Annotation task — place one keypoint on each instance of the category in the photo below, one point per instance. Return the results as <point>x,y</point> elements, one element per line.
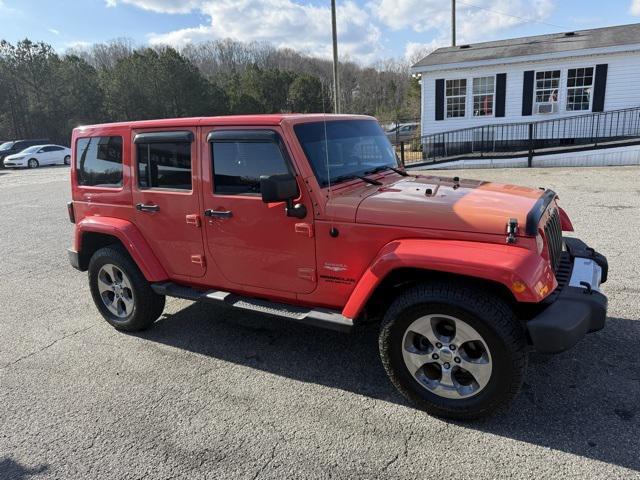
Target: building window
<point>456,94</point>
<point>547,84</point>
<point>579,87</point>
<point>164,165</point>
<point>484,89</point>
<point>99,161</point>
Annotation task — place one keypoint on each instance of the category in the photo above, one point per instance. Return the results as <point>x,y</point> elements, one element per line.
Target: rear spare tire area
<point>120,291</point>
<point>453,350</point>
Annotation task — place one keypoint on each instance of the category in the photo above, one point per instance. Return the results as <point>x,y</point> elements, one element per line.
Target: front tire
<point>33,163</point>
<point>453,350</point>
<point>120,291</point>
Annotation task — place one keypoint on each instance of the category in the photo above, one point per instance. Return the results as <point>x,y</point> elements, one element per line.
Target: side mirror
<point>278,188</point>
<point>282,188</point>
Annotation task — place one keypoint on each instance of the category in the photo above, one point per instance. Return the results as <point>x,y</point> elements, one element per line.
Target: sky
<point>369,31</point>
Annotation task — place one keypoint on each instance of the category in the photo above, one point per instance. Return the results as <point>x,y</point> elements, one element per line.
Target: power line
<point>530,20</point>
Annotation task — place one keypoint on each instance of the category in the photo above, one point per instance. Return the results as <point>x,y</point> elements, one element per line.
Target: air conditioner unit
<point>545,108</point>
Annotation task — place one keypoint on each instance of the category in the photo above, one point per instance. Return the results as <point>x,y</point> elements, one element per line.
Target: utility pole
<point>336,86</point>
<point>453,23</point>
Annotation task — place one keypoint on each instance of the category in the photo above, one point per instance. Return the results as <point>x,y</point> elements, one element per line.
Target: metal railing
<point>577,132</point>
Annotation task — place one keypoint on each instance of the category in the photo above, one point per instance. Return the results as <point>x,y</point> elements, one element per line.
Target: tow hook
<point>587,285</point>
<point>512,230</point>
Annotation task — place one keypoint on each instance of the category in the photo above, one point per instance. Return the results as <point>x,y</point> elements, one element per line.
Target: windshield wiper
<point>382,168</point>
<point>342,178</point>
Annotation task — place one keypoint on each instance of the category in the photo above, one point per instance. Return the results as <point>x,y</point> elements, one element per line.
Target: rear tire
<point>120,291</point>
<point>473,329</point>
<point>33,163</point>
<point>67,160</point>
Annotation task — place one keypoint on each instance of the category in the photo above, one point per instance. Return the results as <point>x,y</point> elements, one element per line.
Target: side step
<point>319,317</point>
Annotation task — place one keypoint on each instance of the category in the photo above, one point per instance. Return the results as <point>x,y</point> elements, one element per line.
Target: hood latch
<point>512,230</point>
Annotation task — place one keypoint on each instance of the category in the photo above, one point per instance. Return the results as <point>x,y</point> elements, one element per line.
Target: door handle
<point>218,213</point>
<point>141,207</point>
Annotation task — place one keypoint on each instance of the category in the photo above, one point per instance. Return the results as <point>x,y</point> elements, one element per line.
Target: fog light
<point>518,286</point>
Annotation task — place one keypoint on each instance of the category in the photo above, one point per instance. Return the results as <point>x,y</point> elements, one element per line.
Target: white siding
<point>622,90</point>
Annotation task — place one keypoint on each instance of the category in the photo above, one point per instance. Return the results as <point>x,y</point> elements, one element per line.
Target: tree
<point>305,95</point>
<point>44,94</point>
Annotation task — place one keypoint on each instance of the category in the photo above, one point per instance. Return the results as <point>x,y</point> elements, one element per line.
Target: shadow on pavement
<point>583,402</point>
<point>12,470</point>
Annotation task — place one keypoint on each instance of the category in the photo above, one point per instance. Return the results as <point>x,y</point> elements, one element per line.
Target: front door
<point>45,156</point>
<point>166,199</point>
<point>57,155</point>
<point>254,244</point>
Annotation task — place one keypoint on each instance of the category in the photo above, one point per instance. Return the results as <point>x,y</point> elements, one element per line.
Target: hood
<point>445,204</point>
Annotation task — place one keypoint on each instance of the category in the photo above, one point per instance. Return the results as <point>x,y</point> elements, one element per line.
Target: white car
<point>39,155</point>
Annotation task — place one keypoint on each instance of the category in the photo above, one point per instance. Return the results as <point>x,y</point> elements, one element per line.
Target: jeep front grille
<point>553,236</point>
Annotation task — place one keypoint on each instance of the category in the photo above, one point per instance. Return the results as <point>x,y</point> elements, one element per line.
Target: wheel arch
<point>516,274</point>
<point>94,233</point>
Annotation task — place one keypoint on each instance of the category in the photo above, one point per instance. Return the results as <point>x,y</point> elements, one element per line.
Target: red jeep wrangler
<point>311,218</point>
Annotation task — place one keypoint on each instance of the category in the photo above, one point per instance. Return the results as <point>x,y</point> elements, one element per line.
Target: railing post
<point>595,143</point>
<point>402,153</point>
<point>530,158</point>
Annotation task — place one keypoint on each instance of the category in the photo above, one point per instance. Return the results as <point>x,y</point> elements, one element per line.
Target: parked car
<point>39,155</point>
<point>15,146</point>
<point>403,132</point>
<point>310,218</point>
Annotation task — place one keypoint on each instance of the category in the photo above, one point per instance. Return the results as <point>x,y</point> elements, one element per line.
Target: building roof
<point>536,45</point>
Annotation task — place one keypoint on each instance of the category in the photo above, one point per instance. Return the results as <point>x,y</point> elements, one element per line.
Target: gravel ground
<point>212,393</point>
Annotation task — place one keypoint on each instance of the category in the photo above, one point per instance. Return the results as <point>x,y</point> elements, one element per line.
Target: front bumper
<point>13,163</point>
<point>577,306</point>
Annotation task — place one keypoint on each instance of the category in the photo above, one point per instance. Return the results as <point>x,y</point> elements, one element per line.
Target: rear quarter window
<point>99,161</point>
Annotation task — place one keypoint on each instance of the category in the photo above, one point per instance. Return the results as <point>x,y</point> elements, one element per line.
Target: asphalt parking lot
<point>212,393</point>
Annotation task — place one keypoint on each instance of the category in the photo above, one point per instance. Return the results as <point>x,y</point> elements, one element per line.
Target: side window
<point>238,165</point>
<point>99,161</point>
<point>164,165</point>
<point>55,149</point>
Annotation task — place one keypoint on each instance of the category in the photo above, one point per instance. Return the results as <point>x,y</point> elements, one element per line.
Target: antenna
<point>333,231</point>
<point>326,146</point>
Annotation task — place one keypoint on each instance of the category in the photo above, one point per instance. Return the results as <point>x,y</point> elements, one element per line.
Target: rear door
<point>254,244</point>
<point>166,198</point>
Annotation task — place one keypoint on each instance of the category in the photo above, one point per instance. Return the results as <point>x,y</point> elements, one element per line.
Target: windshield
<point>6,146</point>
<point>355,147</point>
<point>35,148</point>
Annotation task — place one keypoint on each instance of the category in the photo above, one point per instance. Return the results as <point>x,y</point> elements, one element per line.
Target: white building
<point>529,79</point>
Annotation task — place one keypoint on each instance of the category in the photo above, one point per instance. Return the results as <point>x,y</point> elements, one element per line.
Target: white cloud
<point>6,10</point>
<point>283,23</point>
<point>54,31</point>
<point>415,51</point>
<point>160,6</point>
<point>634,9</point>
<point>78,44</point>
<point>473,24</point>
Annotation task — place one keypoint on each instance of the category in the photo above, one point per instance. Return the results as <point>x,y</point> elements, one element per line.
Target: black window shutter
<point>501,93</point>
<point>527,93</point>
<point>440,99</point>
<point>599,88</point>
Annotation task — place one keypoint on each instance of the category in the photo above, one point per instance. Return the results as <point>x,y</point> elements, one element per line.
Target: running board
<point>319,317</point>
